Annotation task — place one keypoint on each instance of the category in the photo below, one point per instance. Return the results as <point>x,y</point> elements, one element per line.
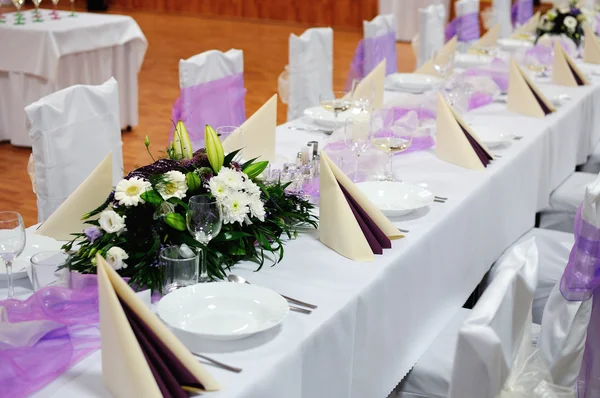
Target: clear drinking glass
<point>443,63</point>
<point>180,267</point>
<point>237,139</point>
<point>38,16</point>
<point>54,12</point>
<point>204,220</point>
<point>12,243</point>
<point>363,100</point>
<point>72,14</point>
<point>335,101</point>
<point>356,137</point>
<point>389,137</point>
<point>19,20</point>
<point>45,269</point>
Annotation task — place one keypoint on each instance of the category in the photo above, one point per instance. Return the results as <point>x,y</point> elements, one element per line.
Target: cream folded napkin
<point>258,134</point>
<point>455,141</point>
<point>528,28</point>
<point>428,69</point>
<point>342,221</point>
<point>92,192</point>
<point>564,70</point>
<point>134,340</point>
<point>374,81</point>
<point>523,96</point>
<point>489,39</point>
<point>591,48</point>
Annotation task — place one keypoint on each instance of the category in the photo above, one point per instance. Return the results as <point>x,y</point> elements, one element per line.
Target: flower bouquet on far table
<point>147,211</point>
<point>565,21</point>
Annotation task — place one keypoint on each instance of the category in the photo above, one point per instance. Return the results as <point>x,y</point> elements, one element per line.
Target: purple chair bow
<point>521,12</point>
<point>369,53</point>
<point>465,28</point>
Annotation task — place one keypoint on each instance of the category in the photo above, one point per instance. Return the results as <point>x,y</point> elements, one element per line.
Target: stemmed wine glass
<point>38,16</point>
<point>19,20</point>
<point>54,12</point>
<point>12,243</point>
<point>356,137</point>
<point>336,102</point>
<point>204,219</point>
<point>237,137</point>
<point>390,137</point>
<point>443,63</point>
<point>363,98</point>
<point>72,14</point>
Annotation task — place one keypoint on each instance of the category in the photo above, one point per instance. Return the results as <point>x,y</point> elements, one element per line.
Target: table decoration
<point>564,70</point>
<point>456,142</point>
<point>591,46</point>
<point>496,71</point>
<point>38,16</point>
<point>20,19</point>
<point>567,21</point>
<point>54,12</point>
<point>523,95</point>
<point>140,355</point>
<point>146,211</point>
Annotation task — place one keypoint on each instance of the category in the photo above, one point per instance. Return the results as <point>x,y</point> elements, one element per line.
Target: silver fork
<point>217,363</point>
<point>517,137</point>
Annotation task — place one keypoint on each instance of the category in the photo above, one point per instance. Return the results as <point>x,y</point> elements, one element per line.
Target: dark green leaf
<point>152,197</point>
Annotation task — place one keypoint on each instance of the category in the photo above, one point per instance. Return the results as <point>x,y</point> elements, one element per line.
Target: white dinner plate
<point>471,60</point>
<point>222,310</point>
<point>415,83</point>
<point>396,199</point>
<point>512,45</point>
<point>325,118</point>
<point>492,136</point>
<point>33,245</point>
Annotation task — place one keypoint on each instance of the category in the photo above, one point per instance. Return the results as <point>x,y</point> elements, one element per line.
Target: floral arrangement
<point>146,212</point>
<point>566,21</point>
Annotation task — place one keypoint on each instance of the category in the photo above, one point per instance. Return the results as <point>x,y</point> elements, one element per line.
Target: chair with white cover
<point>466,24</point>
<point>310,70</point>
<point>474,354</point>
<point>72,131</point>
<point>564,201</point>
<point>212,92</point>
<point>431,32</point>
<point>501,16</point>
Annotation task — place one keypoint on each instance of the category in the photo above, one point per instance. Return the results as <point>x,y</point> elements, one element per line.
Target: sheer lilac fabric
<point>63,325</point>
<point>465,28</point>
<point>580,281</point>
<point>521,12</point>
<point>217,103</point>
<point>369,53</point>
<point>597,24</point>
<point>498,73</point>
<point>479,99</point>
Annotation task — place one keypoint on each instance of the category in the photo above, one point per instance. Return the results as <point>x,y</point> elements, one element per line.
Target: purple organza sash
<point>579,282</point>
<point>63,325</point>
<point>521,12</point>
<point>369,53</point>
<point>597,24</point>
<point>217,103</point>
<point>466,28</point>
<point>500,77</point>
<point>479,99</point>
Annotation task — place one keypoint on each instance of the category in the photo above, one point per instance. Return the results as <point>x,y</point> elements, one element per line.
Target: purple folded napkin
<point>542,103</point>
<point>482,154</point>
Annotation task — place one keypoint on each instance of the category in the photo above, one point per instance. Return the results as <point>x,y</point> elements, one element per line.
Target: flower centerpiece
<point>146,212</point>
<point>567,21</point>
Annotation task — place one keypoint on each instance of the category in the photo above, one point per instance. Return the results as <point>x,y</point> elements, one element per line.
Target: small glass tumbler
<point>45,269</point>
<point>180,267</point>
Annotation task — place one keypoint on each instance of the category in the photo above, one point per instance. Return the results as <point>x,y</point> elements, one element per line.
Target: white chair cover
<point>379,43</point>
<point>501,16</point>
<point>462,8</point>
<point>565,201</point>
<point>72,131</point>
<point>490,339</point>
<point>310,69</point>
<point>209,66</point>
<point>431,32</point>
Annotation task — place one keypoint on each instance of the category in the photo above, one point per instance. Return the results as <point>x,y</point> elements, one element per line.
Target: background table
<point>37,59</point>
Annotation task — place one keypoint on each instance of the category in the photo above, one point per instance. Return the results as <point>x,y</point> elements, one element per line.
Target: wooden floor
<point>171,37</point>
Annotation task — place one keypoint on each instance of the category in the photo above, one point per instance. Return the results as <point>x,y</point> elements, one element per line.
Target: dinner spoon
<point>239,279</point>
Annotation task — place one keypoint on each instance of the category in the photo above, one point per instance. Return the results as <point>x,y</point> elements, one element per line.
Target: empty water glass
<point>356,137</point>
<point>236,139</point>
<point>180,267</point>
<point>50,268</point>
<point>12,243</point>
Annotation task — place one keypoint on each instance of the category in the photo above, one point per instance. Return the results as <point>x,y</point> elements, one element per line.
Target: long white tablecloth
<point>376,319</point>
<point>37,59</point>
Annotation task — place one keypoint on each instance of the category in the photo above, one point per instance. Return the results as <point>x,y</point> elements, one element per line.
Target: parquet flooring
<point>171,37</point>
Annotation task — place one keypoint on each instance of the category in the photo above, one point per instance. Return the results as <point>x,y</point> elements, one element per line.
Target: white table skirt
<point>406,13</point>
<point>376,319</point>
<point>75,62</point>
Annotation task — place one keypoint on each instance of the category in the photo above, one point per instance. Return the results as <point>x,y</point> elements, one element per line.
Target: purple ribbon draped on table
<point>45,335</point>
<point>542,53</point>
<point>217,103</point>
<point>597,24</point>
<point>369,53</point>
<point>479,99</point>
<point>580,281</point>
<point>465,28</point>
<point>521,12</point>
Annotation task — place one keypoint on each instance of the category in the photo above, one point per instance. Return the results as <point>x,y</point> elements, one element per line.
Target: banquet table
<point>406,14</point>
<point>37,59</point>
<point>376,319</point>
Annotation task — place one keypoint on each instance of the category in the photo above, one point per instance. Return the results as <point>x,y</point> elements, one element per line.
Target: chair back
<point>431,32</point>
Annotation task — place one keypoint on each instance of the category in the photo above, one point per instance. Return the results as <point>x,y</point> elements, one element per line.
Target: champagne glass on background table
<point>356,137</point>
<point>389,136</point>
<point>12,243</point>
<point>204,220</point>
<point>20,20</point>
<point>54,12</point>
<point>38,16</point>
<point>72,14</point>
<point>336,102</point>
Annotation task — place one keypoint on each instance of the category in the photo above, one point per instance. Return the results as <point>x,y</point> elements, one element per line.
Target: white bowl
<point>326,118</point>
<point>396,199</point>
<point>471,60</point>
<point>411,82</point>
<point>222,310</point>
<point>34,244</point>
<point>511,45</point>
<point>491,136</point>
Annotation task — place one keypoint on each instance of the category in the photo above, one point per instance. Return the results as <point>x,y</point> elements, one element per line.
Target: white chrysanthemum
<point>570,23</point>
<point>174,185</point>
<point>111,222</point>
<point>232,178</point>
<point>257,208</point>
<point>251,188</point>
<point>218,188</point>
<point>565,10</point>
<point>235,207</point>
<point>115,256</point>
<point>128,192</point>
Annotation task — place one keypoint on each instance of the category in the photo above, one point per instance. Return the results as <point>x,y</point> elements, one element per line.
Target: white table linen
<point>40,58</point>
<point>406,15</point>
<point>376,319</point>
